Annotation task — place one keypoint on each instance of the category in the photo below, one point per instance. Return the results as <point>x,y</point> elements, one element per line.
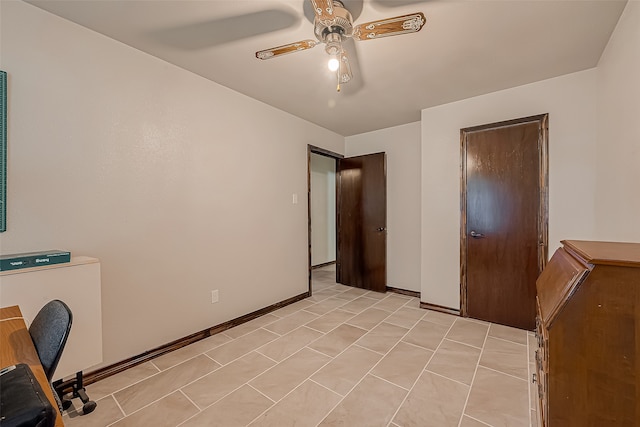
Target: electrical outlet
<point>214,296</point>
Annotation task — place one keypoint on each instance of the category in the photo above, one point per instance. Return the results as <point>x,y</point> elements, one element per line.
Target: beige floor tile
<point>319,283</point>
<point>406,317</point>
<point>456,361</point>
<point>443,319</point>
<point>216,385</point>
<point>334,342</point>
<point>323,280</point>
<point>383,337</point>
<point>241,346</point>
<point>391,303</point>
<point>505,356</point>
<point>413,303</point>
<point>291,322</point>
<point>144,392</point>
<point>470,422</point>
<point>344,288</point>
<point>347,369</point>
<point>121,380</point>
<point>287,375</point>
<point>368,318</point>
<point>482,322</point>
<point>178,356</point>
<point>356,292</point>
<point>290,343</point>
<point>166,412</point>
<point>326,306</point>
<point>319,297</point>
<point>305,406</point>
<point>376,295</point>
<point>498,399</point>
<point>359,304</point>
<point>357,410</point>
<point>345,297</point>
<point>106,412</point>
<point>234,410</point>
<point>433,401</point>
<point>508,333</point>
<point>292,308</point>
<point>324,294</point>
<point>468,332</point>
<point>403,364</point>
<point>533,346</point>
<point>321,272</point>
<point>251,325</point>
<point>426,334</point>
<point>370,368</point>
<point>330,320</point>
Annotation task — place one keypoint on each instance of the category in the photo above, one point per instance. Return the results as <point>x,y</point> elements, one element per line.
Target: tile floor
<point>343,357</point>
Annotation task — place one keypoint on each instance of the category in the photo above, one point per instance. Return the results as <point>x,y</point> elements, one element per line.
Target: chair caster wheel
<point>66,404</point>
<point>88,407</point>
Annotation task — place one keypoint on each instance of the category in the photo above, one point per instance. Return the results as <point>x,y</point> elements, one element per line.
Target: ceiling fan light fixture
<point>333,43</point>
<point>333,64</point>
<point>333,24</point>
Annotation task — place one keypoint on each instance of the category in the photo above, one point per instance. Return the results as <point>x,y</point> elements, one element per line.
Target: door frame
<point>323,152</point>
<point>543,211</point>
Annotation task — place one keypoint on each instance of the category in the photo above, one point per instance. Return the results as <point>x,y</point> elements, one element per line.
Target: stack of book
<point>33,259</point>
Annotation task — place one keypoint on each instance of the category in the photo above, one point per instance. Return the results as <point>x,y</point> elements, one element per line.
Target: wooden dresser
<point>588,333</point>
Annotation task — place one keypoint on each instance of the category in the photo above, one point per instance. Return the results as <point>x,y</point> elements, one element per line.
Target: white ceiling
<point>466,48</point>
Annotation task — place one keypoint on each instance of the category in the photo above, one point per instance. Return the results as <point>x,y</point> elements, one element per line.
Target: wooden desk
<point>16,347</point>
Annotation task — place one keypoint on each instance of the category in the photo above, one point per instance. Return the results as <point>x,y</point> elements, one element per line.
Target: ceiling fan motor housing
<point>332,33</point>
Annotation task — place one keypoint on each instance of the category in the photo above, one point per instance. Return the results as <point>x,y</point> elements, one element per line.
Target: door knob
<point>477,235</point>
<point>382,229</point>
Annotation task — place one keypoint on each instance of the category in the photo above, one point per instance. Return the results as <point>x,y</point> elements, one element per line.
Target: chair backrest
<point>49,332</point>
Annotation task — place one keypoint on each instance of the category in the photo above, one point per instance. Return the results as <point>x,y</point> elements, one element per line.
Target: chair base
<point>78,391</point>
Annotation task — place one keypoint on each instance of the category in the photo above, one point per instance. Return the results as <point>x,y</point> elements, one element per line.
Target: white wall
<point>118,155</point>
<point>323,209</point>
<point>618,159</point>
<point>570,101</point>
<point>402,145</point>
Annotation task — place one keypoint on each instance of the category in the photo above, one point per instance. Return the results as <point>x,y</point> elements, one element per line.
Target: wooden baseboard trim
<point>439,308</point>
<point>324,264</point>
<point>107,371</point>
<point>403,292</point>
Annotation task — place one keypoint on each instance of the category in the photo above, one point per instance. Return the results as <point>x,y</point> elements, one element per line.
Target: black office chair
<point>49,332</point>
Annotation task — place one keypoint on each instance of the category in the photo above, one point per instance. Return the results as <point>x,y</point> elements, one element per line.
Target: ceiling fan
<point>333,24</point>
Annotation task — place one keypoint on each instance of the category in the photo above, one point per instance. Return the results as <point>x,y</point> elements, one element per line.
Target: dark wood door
<point>362,222</point>
<point>503,220</point>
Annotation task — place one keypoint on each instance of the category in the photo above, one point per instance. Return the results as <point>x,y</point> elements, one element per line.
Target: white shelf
<point>77,283</point>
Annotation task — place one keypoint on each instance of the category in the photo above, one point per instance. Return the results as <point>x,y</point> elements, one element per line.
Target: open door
<point>362,222</point>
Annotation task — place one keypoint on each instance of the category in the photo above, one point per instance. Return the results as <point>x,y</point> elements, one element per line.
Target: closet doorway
<point>359,215</point>
<point>322,170</point>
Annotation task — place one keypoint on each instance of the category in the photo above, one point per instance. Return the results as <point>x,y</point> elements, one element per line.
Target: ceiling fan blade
<point>287,48</point>
<point>323,10</point>
<point>405,24</point>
